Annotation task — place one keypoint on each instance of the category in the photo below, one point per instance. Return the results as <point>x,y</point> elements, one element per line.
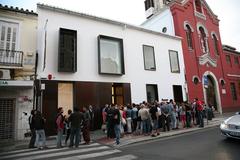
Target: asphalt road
<point>206,144</point>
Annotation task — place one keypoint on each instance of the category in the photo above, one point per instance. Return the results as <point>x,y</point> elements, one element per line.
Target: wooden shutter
<point>67,55</point>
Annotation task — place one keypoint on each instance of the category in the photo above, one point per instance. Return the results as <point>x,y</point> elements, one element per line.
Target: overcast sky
<point>132,11</point>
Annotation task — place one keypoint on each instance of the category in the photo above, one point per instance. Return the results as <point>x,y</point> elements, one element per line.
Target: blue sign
<point>205,80</point>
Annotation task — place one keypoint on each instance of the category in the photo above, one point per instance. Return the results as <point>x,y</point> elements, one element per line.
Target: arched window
<point>189,37</point>
<point>203,40</point>
<point>215,42</point>
<point>198,6</point>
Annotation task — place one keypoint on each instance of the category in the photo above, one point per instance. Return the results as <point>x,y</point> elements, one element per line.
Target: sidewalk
<point>100,137</point>
<point>131,139</point>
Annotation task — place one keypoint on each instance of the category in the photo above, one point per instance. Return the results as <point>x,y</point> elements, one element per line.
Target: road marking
<point>126,157</point>
<point>74,151</point>
<point>49,147</point>
<point>92,155</point>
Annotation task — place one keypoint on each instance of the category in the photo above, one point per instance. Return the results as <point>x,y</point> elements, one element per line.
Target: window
<point>233,91</point>
<point>67,55</point>
<point>215,41</point>
<point>152,93</point>
<point>236,61</point>
<point>174,62</point>
<point>110,55</point>
<point>117,94</point>
<point>189,37</point>
<point>9,34</point>
<point>198,6</point>
<point>164,30</point>
<point>228,59</point>
<point>203,40</point>
<point>149,58</point>
<point>148,4</point>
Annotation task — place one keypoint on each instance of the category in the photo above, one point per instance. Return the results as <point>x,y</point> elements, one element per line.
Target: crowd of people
<point>74,124</point>
<point>118,120</point>
<point>151,118</point>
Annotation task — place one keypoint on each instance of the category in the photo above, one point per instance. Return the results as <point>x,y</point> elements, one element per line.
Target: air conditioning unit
<point>5,74</point>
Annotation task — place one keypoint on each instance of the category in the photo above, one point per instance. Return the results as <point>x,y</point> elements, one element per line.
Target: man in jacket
<point>76,119</point>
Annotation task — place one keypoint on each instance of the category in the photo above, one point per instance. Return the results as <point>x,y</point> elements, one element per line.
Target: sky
<point>133,12</point>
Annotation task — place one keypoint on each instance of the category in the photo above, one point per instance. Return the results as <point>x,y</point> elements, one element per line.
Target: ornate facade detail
<point>206,59</point>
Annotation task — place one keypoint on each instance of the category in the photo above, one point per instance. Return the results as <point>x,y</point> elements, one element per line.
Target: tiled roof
<point>16,9</point>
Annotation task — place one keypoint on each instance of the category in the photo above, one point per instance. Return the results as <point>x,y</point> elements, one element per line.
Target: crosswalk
<point>92,151</point>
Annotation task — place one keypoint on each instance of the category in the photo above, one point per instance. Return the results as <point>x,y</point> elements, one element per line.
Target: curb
<point>175,133</point>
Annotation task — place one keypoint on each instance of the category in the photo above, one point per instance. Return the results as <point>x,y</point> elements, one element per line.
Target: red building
<point>212,71</point>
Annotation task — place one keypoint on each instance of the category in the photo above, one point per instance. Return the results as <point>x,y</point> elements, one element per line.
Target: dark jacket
<point>76,119</point>
<point>38,122</point>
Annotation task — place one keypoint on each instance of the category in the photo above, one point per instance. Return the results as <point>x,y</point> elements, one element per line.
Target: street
<point>206,144</point>
<point>202,145</point>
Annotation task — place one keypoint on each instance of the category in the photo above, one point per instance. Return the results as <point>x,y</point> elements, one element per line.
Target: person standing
<point>92,117</point>
<point>166,117</point>
<point>145,117</point>
<point>68,126</point>
<point>154,117</point>
<point>199,105</point>
<point>134,117</point>
<point>76,119</point>
<point>86,125</point>
<point>60,127</point>
<point>116,123</point>
<point>129,118</point>
<point>32,128</point>
<point>38,122</point>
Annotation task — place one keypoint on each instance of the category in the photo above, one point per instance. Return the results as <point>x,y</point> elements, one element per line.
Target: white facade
<point>88,28</point>
<point>161,20</point>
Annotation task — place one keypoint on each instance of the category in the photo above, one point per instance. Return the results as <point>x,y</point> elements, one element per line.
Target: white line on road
<point>126,157</point>
<point>74,151</point>
<point>19,153</point>
<point>92,155</point>
<point>35,149</point>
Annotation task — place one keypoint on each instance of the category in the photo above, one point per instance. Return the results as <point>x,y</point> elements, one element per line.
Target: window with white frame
<point>174,61</point>
<point>9,34</point>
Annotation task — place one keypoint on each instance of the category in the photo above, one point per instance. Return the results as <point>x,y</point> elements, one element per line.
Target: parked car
<point>230,128</point>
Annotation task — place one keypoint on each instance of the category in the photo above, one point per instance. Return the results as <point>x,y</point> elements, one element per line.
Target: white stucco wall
<point>161,20</point>
<point>87,54</point>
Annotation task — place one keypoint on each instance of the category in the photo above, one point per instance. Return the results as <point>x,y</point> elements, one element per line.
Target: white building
<point>18,42</point>
<point>86,60</point>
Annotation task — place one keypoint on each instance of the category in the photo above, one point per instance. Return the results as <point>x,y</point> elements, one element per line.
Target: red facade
<point>204,56</point>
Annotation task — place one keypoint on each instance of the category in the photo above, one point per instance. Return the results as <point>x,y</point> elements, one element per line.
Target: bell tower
<point>154,6</point>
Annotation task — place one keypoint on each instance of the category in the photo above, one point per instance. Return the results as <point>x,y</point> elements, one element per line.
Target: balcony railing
<point>10,58</point>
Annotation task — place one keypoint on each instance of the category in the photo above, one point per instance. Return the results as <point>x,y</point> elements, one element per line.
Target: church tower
<point>154,6</point>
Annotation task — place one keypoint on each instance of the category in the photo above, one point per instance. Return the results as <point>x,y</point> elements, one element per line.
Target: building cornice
<point>105,20</point>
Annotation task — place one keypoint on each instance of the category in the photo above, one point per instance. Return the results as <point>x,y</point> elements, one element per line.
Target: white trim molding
<point>233,75</point>
<point>185,23</point>
<point>214,33</point>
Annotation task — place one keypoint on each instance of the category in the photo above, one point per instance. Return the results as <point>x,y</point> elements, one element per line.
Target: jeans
<point>146,126</point>
<point>40,138</point>
<point>129,125</point>
<point>75,132</point>
<point>200,117</point>
<point>117,132</point>
<point>59,137</point>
